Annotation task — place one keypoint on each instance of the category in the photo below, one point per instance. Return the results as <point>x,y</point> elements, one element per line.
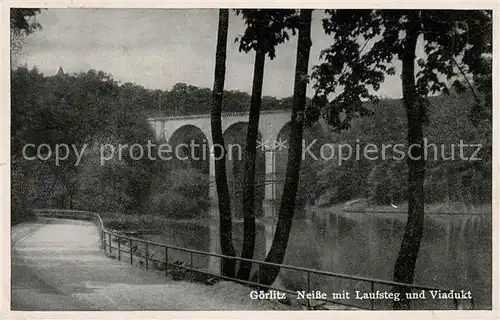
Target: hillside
<point>382,181</point>
<point>91,108</point>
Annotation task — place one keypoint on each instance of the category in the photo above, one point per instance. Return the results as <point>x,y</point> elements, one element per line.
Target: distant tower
<point>60,72</point>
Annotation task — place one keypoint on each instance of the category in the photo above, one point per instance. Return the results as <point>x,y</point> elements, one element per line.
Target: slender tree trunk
<point>249,174</point>
<point>278,248</point>
<point>225,223</point>
<point>405,265</point>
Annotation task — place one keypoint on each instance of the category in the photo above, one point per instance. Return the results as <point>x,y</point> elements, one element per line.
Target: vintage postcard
<point>322,161</point>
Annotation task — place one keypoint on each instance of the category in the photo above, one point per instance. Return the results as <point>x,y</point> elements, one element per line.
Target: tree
<point>452,40</point>
<point>79,111</point>
<point>23,19</point>
<point>225,223</point>
<point>22,23</point>
<point>265,30</point>
<point>481,116</point>
<point>278,248</point>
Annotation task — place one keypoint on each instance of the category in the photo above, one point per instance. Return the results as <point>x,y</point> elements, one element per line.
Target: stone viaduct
<point>273,126</point>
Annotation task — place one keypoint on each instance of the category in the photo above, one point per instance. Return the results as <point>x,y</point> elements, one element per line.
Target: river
<point>455,253</point>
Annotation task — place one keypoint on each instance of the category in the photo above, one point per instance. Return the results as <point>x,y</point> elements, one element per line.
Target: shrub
<point>20,208</point>
<point>182,194</point>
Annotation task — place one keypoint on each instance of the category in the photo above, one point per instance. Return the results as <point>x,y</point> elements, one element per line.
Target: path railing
<point>144,252</point>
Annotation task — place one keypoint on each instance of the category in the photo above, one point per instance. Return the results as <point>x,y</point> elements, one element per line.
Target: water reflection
<point>455,250</point>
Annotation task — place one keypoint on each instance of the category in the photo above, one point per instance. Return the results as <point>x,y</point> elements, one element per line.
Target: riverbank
<point>449,207</point>
<point>155,222</point>
<point>151,222</point>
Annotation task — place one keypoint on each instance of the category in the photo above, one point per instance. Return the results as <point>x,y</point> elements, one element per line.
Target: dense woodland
<point>92,108</point>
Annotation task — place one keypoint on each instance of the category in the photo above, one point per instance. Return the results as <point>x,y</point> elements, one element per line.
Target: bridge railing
<point>143,251</point>
<point>260,180</point>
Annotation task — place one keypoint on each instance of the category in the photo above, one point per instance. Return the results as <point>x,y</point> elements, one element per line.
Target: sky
<point>157,48</point>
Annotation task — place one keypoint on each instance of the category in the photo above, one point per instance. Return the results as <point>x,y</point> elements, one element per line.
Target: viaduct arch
<point>273,125</point>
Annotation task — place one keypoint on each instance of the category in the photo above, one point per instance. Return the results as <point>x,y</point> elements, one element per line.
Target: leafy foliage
<point>181,194</point>
<point>385,181</point>
<point>23,20</point>
<point>82,111</point>
<point>365,42</point>
<point>184,99</point>
<point>266,29</point>
<point>91,108</point>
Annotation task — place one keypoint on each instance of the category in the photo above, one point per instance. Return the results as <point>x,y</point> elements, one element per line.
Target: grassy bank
<point>119,221</point>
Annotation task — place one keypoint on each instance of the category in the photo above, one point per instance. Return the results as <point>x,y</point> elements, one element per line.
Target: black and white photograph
<point>270,159</point>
